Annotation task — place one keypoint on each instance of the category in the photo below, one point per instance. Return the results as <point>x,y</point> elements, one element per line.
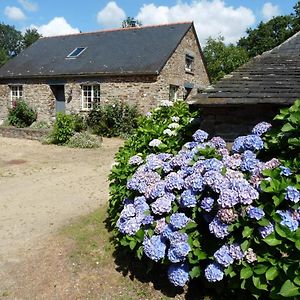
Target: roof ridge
<point>118,29</point>
<point>280,45</point>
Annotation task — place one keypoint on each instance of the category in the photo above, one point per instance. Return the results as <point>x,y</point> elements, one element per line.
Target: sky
<point>229,18</point>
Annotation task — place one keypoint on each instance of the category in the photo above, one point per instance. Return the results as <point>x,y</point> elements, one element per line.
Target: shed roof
<point>139,50</point>
<point>273,77</point>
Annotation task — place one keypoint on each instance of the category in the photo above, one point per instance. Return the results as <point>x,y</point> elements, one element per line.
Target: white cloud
<point>30,6</point>
<point>57,26</point>
<point>269,11</point>
<point>14,13</point>
<point>111,15</point>
<point>211,18</point>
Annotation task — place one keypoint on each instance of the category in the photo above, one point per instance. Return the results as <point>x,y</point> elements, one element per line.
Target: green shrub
<point>40,125</point>
<point>84,140</point>
<point>155,125</point>
<point>228,219</point>
<point>113,119</point>
<point>63,129</point>
<point>21,115</point>
<point>79,123</point>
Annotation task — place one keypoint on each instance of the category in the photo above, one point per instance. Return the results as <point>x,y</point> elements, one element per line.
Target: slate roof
<point>139,50</point>
<point>273,77</point>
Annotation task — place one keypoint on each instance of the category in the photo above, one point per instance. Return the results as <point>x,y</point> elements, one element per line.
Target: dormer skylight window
<point>76,52</point>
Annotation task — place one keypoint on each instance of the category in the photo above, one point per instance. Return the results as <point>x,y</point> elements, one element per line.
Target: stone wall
<point>231,121</point>
<point>144,91</point>
<point>23,133</point>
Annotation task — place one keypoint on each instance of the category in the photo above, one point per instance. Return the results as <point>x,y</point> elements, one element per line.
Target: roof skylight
<point>76,52</point>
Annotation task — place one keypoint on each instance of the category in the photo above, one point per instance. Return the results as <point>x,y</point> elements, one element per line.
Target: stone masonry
<point>144,91</point>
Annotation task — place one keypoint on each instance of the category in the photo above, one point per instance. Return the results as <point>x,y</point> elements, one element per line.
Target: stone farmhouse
<point>253,93</point>
<point>72,73</point>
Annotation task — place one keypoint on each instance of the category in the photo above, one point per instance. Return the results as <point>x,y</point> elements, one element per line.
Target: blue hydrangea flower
<point>261,128</point>
<point>194,182</point>
<point>292,194</point>
<point>218,228</point>
<point>178,252</point>
<point>174,182</point>
<point>154,247</point>
<point>255,213</point>
<point>188,199</point>
<point>147,220</point>
<point>214,272</point>
<point>179,220</point>
<point>288,220</point>
<point>266,230</point>
<point>178,237</point>
<point>200,136</point>
<point>190,145</point>
<point>284,171</point>
<point>251,142</point>
<point>167,231</point>
<point>213,164</point>
<point>164,156</point>
<point>223,256</point>
<point>140,205</point>
<point>156,190</point>
<point>249,161</point>
<point>129,226</point>
<point>178,274</point>
<point>207,203</point>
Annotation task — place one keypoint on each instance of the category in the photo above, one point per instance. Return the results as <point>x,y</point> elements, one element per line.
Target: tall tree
<point>272,33</point>
<point>222,59</point>
<point>30,36</point>
<point>10,40</point>
<point>131,22</point>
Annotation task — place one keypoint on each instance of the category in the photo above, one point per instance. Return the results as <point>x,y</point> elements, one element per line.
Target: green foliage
<point>150,127</point>
<point>30,36</point>
<point>131,22</point>
<point>10,40</point>
<point>272,33</point>
<point>21,115</point>
<point>84,140</point>
<point>63,129</point>
<point>222,59</point>
<point>79,123</point>
<point>113,119</point>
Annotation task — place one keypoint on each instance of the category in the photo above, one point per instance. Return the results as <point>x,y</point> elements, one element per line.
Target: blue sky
<point>229,18</point>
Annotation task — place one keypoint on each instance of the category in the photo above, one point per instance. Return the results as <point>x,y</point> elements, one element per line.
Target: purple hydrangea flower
<point>217,142</point>
<point>194,182</point>
<point>215,180</point>
<point>228,198</point>
<point>218,228</point>
<point>136,160</point>
<point>232,161</point>
<point>266,230</point>
<point>214,272</point>
<point>174,181</point>
<point>188,199</point>
<point>147,220</point>
<point>160,225</point>
<point>223,256</point>
<point>261,128</point>
<point>154,247</point>
<point>178,252</point>
<point>161,205</point>
<point>288,220</point>
<point>255,213</point>
<point>153,162</point>
<point>284,171</point>
<point>200,136</point>
<point>207,203</point>
<point>292,194</point>
<point>178,237</point>
<point>178,274</point>
<point>236,251</point>
<point>179,220</point>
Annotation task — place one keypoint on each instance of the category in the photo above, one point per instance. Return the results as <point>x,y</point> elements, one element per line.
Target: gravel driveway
<point>43,187</point>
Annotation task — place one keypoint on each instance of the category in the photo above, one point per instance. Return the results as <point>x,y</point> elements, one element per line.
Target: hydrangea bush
<point>223,216</point>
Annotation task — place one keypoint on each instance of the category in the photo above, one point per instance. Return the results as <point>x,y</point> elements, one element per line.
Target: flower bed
<point>218,215</point>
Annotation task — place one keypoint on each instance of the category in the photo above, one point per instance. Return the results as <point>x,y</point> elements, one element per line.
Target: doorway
<point>60,100</point>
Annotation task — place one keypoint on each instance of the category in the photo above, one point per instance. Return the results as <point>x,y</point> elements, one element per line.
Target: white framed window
<point>189,63</point>
<point>90,96</point>
<point>16,93</point>
<point>173,92</point>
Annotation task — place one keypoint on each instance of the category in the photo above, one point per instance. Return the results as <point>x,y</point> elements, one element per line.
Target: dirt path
<point>43,187</point>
